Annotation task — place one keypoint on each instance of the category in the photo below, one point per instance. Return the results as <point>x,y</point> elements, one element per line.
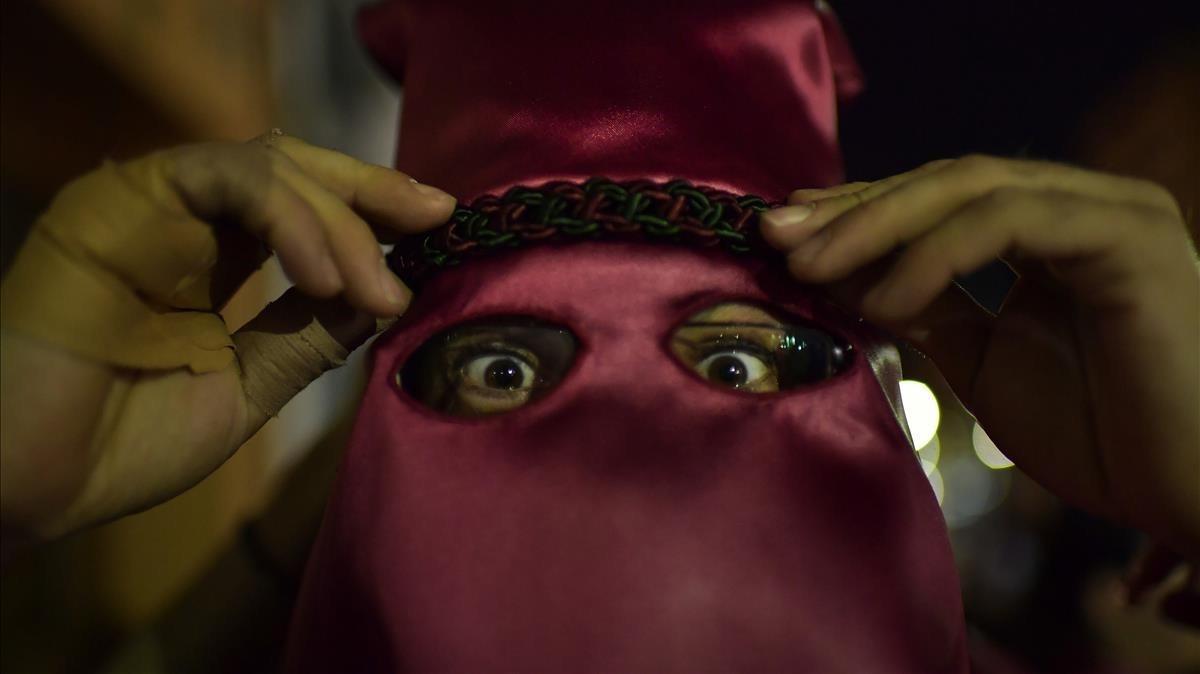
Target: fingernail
<point>392,289</point>
<point>808,251</point>
<point>430,191</point>
<point>787,216</point>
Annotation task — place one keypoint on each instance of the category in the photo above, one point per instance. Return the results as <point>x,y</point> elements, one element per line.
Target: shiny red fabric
<point>738,95</point>
<point>637,518</point>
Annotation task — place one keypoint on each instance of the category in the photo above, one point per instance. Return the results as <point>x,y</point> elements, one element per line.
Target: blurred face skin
<point>497,365</point>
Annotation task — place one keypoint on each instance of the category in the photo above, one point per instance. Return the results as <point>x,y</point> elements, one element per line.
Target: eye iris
<point>727,370</point>
<point>504,373</point>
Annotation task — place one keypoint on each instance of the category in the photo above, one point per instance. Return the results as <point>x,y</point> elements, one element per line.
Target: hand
<point>95,429</point>
<point>1154,575</point>
<point>1089,378</point>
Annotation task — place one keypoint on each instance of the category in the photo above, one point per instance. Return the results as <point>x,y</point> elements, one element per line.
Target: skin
<point>116,441</point>
<point>457,384</point>
<point>722,330</point>
<point>1089,378</point>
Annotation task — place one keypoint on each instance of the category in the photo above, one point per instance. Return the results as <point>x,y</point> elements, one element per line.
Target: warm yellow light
<point>987,451</point>
<point>921,410</point>
<point>929,454</point>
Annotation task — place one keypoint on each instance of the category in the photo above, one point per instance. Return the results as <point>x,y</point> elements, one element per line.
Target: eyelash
<point>718,345</point>
<point>465,353</point>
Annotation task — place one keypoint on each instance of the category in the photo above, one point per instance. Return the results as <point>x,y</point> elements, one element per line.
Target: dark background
<point>1013,78</point>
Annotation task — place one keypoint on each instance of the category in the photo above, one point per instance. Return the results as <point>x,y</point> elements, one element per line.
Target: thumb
<point>293,341</point>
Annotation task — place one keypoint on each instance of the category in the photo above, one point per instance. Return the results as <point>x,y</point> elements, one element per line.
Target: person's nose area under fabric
<point>651,408</point>
<point>690,525</point>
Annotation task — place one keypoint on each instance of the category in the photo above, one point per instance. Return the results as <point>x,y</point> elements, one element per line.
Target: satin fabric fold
<point>636,519</point>
<point>738,95</point>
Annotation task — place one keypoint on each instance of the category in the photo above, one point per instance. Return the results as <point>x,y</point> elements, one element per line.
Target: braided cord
<point>675,212</point>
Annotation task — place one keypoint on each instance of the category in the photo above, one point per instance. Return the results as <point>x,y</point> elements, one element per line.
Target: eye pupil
<point>504,373</point>
<point>727,370</point>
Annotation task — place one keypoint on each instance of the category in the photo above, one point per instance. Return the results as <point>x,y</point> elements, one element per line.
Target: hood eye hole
<point>745,347</point>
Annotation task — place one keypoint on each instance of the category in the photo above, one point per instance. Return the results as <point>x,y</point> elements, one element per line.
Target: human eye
<point>488,367</point>
<point>742,346</point>
<point>740,366</point>
<point>499,371</point>
<point>497,379</point>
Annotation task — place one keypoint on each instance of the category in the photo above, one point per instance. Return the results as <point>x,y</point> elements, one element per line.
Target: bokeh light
<point>972,490</point>
<point>987,451</point>
<point>921,410</point>
<point>929,454</point>
<point>935,481</point>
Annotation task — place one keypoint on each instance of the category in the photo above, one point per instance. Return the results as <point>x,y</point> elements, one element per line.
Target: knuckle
<point>867,206</point>
<point>936,164</point>
<point>1159,195</point>
<point>1153,217</point>
<point>979,163</point>
<point>264,140</point>
<point>257,169</point>
<point>361,174</point>
<point>202,171</point>
<point>272,137</point>
<point>859,200</point>
<point>981,169</point>
<point>1009,197</point>
<point>976,158</point>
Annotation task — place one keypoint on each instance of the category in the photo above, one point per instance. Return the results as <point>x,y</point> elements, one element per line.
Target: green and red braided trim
<point>675,212</point>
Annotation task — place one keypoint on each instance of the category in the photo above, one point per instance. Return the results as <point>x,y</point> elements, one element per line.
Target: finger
<point>814,193</point>
<point>891,215</point>
<point>228,181</point>
<point>1183,605</point>
<point>1153,565</point>
<point>292,342</point>
<point>293,229</point>
<point>840,201</point>
<point>789,227</point>
<point>369,284</point>
<point>381,195</point>
<point>1043,224</point>
<point>785,227</point>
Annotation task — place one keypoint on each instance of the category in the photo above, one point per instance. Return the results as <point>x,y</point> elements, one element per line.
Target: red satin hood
<point>636,519</point>
<point>737,95</point>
